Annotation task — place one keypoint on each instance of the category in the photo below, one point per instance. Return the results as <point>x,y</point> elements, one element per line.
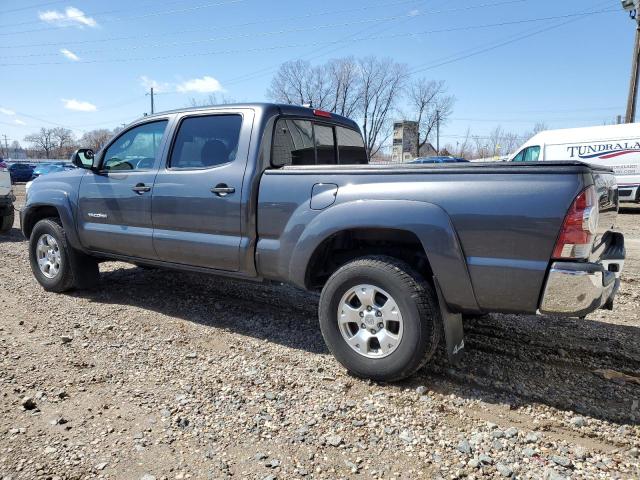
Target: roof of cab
<point>266,108</point>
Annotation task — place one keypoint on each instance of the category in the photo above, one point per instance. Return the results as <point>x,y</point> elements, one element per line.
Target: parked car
<point>6,199</point>
<point>614,146</point>
<point>285,193</point>
<point>439,159</point>
<point>51,168</point>
<point>20,172</point>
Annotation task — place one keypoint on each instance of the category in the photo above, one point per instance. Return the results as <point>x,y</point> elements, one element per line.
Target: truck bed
<point>505,216</point>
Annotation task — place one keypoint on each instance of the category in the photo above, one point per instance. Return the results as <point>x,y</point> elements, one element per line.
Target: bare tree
<point>96,139</point>
<point>429,103</point>
<point>383,81</point>
<point>537,128</point>
<point>481,146</point>
<point>212,99</point>
<point>495,141</point>
<point>298,83</point>
<point>465,147</point>
<point>510,141</point>
<point>345,82</point>
<point>63,140</point>
<point>42,140</point>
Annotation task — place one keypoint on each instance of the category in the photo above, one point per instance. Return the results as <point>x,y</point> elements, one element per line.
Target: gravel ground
<point>172,375</point>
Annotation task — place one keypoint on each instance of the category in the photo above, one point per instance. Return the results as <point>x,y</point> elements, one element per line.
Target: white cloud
<point>205,84</point>
<point>78,106</point>
<point>158,87</point>
<point>69,54</point>
<point>19,122</point>
<point>6,111</point>
<point>70,16</point>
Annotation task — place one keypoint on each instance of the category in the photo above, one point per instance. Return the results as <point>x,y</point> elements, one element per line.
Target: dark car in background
<point>20,172</point>
<point>440,159</point>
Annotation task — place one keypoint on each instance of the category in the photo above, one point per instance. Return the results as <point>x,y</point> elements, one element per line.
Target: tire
<point>6,221</point>
<point>415,341</point>
<point>74,269</point>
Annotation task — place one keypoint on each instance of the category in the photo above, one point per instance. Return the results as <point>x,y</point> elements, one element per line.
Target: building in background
<point>405,143</point>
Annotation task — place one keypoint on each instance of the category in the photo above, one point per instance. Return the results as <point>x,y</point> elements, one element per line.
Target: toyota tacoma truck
<point>287,194</point>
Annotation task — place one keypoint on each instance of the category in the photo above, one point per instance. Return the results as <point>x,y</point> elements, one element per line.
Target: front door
<point>197,196</point>
<point>114,205</point>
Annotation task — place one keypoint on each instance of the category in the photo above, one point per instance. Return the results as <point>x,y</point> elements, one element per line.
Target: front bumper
<point>576,289</point>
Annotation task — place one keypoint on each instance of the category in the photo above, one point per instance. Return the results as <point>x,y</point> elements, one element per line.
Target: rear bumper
<point>576,289</point>
<point>628,193</point>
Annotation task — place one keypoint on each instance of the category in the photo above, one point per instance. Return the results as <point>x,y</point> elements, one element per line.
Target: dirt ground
<point>167,375</point>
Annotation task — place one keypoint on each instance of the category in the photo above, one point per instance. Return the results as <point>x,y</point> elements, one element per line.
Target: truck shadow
<point>509,359</point>
<point>12,236</point>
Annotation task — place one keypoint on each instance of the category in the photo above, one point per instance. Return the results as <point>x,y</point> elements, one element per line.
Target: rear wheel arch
<point>437,242</point>
<point>347,245</point>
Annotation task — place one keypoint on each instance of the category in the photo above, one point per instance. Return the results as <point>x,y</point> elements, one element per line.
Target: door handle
<point>222,190</point>
<point>141,188</point>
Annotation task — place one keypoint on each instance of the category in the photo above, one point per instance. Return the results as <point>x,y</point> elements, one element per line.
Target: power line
<point>238,25</point>
<point>310,56</point>
<point>513,39</point>
<point>373,37</point>
<point>31,6</point>
<point>133,17</point>
<point>270,33</point>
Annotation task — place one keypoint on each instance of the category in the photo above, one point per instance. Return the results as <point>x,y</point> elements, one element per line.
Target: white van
<point>614,146</point>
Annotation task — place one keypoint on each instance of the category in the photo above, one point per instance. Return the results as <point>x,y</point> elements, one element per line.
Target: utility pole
<point>151,94</point>
<point>6,145</point>
<point>437,132</point>
<point>633,6</point>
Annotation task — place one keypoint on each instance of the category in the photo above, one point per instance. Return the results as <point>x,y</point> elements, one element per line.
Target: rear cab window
<point>307,142</point>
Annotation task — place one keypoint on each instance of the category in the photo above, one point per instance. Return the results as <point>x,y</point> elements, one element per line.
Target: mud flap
<point>453,329</point>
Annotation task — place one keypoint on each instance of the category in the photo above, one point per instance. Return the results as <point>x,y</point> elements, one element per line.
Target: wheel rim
<point>48,255</point>
<point>370,321</point>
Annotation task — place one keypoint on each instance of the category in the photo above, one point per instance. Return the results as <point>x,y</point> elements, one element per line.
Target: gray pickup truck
<point>287,194</point>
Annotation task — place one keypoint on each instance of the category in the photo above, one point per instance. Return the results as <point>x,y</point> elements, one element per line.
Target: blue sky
<point>87,64</point>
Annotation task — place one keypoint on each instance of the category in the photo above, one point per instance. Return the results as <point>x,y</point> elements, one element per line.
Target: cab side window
<point>531,154</point>
<point>519,156</point>
<point>136,149</point>
<point>206,141</point>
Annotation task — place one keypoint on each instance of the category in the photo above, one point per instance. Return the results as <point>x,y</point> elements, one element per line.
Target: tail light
<point>579,227</point>
<point>322,113</point>
<point>3,167</point>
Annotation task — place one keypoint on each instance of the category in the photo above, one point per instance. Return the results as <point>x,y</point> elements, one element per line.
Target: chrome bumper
<point>576,289</point>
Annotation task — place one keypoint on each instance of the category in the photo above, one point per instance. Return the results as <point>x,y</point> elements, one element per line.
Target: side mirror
<point>83,158</point>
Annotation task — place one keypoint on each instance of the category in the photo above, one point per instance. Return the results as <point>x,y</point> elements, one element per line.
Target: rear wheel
<point>55,264</point>
<point>6,221</point>
<point>379,318</point>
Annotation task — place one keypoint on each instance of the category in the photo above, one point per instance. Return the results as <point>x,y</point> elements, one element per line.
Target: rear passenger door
<point>197,196</point>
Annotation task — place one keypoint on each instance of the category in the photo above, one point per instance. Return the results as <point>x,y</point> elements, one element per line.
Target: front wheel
<point>55,264</point>
<point>379,318</point>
